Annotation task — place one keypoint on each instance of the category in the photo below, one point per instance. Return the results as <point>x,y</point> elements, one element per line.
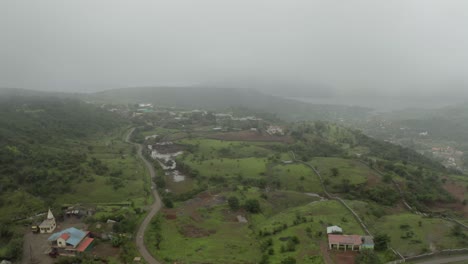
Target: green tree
<point>288,260</point>
<point>168,202</point>
<point>381,241</point>
<point>367,257</point>
<point>334,172</point>
<point>252,206</point>
<point>233,203</point>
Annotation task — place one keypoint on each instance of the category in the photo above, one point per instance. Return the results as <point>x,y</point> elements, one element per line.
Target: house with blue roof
<point>70,242</point>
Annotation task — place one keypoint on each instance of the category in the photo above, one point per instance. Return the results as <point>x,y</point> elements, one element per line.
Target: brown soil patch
<point>250,136</point>
<point>372,180</point>
<point>457,207</point>
<point>193,231</point>
<point>205,200</point>
<point>458,191</point>
<point>170,214</point>
<point>326,253</point>
<point>166,149</point>
<point>105,250</point>
<point>345,257</point>
<point>231,216</point>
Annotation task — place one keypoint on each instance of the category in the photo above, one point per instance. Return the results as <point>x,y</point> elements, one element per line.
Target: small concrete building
<point>367,242</point>
<point>48,225</point>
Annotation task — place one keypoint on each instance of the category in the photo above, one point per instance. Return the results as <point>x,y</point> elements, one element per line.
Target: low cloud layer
<point>350,47</point>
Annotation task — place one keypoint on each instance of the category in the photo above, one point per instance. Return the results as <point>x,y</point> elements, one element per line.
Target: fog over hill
<point>305,48</point>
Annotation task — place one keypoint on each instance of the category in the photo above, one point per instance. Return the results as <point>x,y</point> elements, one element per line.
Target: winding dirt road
<point>155,207</point>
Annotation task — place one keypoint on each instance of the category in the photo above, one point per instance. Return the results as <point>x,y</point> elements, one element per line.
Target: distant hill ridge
<point>214,98</point>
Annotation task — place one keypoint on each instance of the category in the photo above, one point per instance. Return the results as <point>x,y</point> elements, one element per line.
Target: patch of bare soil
<point>170,214</point>
<point>231,216</point>
<point>345,257</point>
<point>193,231</point>
<point>372,180</point>
<point>457,190</point>
<point>105,250</point>
<point>205,200</point>
<point>326,253</point>
<point>250,136</point>
<point>168,149</point>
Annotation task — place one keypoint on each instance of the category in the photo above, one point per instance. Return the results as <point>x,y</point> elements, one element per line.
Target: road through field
<point>155,207</point>
<point>448,259</point>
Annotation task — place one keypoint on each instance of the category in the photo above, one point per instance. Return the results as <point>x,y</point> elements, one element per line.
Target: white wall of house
<point>61,242</point>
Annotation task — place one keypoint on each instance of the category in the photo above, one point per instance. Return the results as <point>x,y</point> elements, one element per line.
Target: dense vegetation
<point>37,150</point>
<point>43,154</point>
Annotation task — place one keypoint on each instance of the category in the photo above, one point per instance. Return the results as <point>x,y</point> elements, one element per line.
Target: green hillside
<point>56,151</point>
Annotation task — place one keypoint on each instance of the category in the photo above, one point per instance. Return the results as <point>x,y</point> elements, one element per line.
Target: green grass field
<point>414,234</point>
<point>219,241</point>
<point>296,177</point>
<point>354,171</point>
<point>212,149</point>
<point>118,157</point>
<point>246,167</point>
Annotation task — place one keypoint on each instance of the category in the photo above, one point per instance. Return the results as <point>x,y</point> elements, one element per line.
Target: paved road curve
<point>153,211</point>
<point>441,260</point>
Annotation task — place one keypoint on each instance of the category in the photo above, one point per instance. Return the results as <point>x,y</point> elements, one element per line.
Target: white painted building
<point>48,225</point>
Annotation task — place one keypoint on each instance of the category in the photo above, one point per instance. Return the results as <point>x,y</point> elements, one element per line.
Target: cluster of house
<point>275,130</point>
<point>336,240</point>
<point>68,242</point>
<point>448,155</point>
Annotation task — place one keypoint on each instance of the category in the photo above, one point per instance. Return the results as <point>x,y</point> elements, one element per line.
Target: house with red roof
<point>353,242</point>
<point>70,242</point>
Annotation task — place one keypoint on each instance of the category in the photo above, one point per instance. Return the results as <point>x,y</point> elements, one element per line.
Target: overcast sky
<point>382,47</point>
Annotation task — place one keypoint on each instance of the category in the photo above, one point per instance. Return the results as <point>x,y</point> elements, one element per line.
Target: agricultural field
<point>292,212</point>
<point>346,169</point>
<point>227,168</point>
<point>296,177</point>
<point>413,234</point>
<point>206,229</point>
<point>211,148</point>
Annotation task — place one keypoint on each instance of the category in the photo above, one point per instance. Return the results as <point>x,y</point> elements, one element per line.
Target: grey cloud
<point>382,47</point>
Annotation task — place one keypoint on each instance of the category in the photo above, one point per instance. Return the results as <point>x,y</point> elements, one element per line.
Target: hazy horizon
<point>323,48</point>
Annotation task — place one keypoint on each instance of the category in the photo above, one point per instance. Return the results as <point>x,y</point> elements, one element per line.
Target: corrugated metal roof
<point>334,229</point>
<point>85,244</point>
<point>65,236</point>
<point>76,235</point>
<point>345,239</point>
